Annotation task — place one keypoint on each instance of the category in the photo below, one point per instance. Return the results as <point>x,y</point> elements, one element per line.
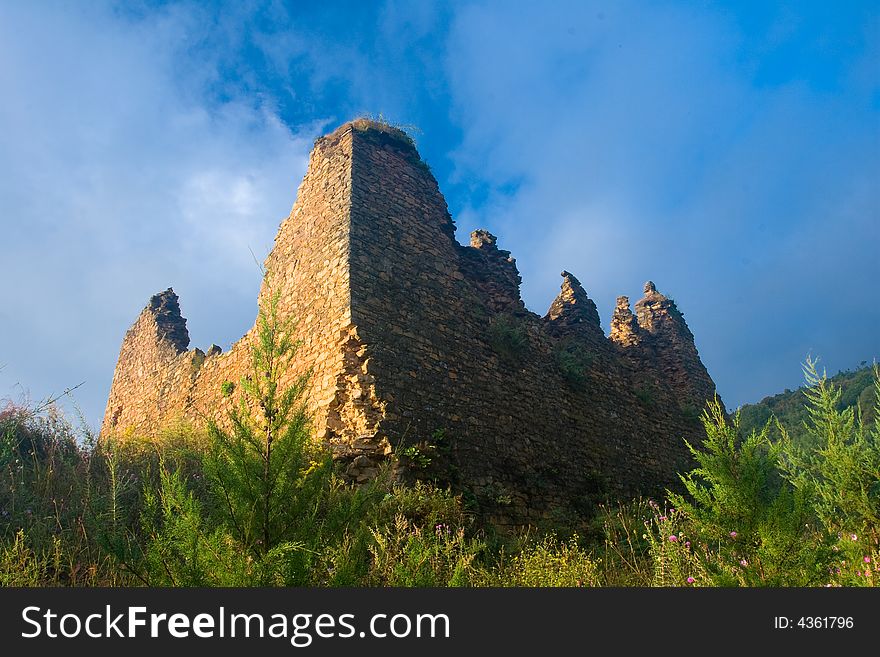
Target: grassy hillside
<point>790,407</point>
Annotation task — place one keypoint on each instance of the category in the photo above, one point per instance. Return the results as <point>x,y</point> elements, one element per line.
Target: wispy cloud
<point>626,143</point>
<point>118,178</point>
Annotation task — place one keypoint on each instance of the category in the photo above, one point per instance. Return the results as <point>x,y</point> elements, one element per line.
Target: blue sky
<point>728,151</point>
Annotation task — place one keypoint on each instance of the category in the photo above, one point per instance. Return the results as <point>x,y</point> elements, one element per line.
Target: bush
<point>508,337</point>
<point>764,512</point>
<point>573,361</point>
<point>545,562</point>
<point>761,529</point>
<point>266,473</point>
<point>841,474</point>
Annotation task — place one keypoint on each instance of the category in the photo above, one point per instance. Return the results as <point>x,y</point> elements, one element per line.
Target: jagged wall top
<point>165,308</point>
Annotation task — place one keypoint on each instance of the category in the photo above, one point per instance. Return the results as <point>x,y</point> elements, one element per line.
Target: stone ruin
<point>417,341</point>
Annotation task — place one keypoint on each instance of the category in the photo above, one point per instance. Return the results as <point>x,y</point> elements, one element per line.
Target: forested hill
<point>789,407</point>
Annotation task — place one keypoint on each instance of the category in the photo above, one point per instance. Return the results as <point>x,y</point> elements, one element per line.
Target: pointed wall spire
<point>663,325</point>
<point>170,324</point>
<point>658,313</point>
<point>624,327</point>
<point>495,271</point>
<point>572,305</point>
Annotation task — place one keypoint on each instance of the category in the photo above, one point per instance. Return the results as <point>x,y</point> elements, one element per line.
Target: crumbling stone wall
<point>417,341</point>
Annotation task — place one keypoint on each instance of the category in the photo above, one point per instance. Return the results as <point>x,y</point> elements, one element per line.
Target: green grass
<point>758,512</point>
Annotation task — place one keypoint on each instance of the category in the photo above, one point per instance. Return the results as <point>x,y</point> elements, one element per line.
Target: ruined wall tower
<point>415,339</point>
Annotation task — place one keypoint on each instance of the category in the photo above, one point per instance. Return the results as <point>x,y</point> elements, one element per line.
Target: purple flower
<point>687,544</point>
<point>673,538</point>
<point>867,559</point>
<point>662,518</point>
<point>691,580</point>
<point>743,562</point>
<point>732,534</point>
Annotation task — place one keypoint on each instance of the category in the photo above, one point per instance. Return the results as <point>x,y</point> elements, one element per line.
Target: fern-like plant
<point>265,470</point>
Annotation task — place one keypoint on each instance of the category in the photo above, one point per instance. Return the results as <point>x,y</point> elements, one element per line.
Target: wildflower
<point>662,518</point>
<point>687,544</point>
<point>673,538</point>
<point>859,574</point>
<point>854,537</point>
<point>867,559</point>
<point>743,562</point>
<point>691,580</point>
<point>732,534</point>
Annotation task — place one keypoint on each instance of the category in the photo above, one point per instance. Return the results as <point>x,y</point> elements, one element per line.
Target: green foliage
<point>405,554</point>
<point>545,562</point>
<point>188,507</point>
<point>179,549</point>
<point>508,337</point>
<point>21,566</point>
<point>51,486</point>
<point>266,472</point>
<point>573,361</point>
<point>690,413</point>
<point>759,525</point>
<point>790,409</point>
<point>227,388</point>
<point>841,473</point>
<point>786,512</point>
<point>416,535</point>
<point>417,456</point>
<point>623,556</point>
<point>646,394</point>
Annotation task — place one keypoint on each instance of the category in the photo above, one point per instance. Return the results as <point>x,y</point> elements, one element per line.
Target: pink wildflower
<point>673,538</point>
<point>732,534</point>
<point>691,580</point>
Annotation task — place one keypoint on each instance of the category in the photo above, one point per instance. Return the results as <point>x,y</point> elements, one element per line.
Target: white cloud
<point>627,143</point>
<point>118,179</point>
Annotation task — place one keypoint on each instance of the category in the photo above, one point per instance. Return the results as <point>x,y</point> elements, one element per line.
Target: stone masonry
<point>418,342</point>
